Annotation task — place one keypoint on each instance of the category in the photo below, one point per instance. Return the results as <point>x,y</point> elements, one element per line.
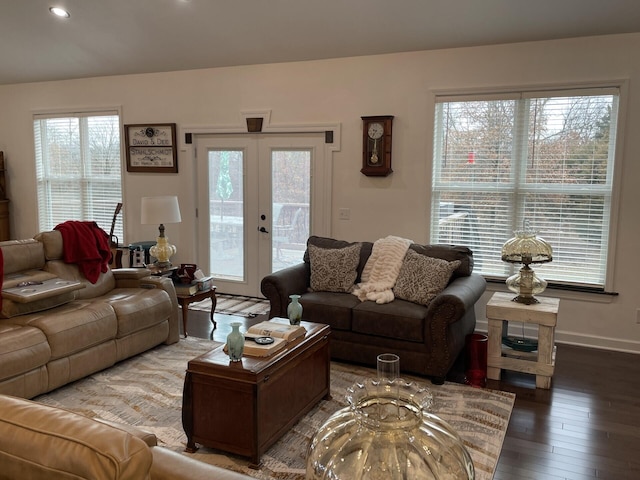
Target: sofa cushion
<point>138,308</point>
<point>333,309</point>
<point>333,269</point>
<point>21,349</point>
<point>399,320</point>
<point>54,253</point>
<point>52,244</point>
<point>422,278</point>
<point>74,327</point>
<point>19,255</point>
<point>70,271</point>
<point>40,441</point>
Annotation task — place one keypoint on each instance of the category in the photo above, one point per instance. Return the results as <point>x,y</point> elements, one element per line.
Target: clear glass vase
<point>387,433</point>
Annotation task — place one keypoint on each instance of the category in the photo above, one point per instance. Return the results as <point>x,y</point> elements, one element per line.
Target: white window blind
<point>78,169</point>
<point>537,157</point>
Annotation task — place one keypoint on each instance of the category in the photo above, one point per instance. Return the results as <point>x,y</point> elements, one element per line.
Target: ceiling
<point>116,37</point>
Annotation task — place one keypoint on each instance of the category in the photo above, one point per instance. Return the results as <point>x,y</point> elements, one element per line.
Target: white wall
<point>341,91</point>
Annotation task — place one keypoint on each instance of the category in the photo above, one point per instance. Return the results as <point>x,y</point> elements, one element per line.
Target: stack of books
<point>282,335</point>
<point>186,288</point>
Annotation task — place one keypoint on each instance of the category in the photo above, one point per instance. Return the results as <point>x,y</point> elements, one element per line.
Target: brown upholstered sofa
<point>428,338</point>
<point>39,441</point>
<point>74,328</point>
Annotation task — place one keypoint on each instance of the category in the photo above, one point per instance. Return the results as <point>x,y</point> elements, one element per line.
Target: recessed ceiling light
<point>59,12</point>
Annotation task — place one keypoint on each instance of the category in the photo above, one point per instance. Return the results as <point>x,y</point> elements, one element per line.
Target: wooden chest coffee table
<point>245,407</point>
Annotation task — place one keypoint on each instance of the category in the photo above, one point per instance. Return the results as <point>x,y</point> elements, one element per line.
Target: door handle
<point>263,230</point>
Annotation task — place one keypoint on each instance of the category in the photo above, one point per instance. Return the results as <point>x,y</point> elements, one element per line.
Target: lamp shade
<point>526,248</point>
<point>162,209</point>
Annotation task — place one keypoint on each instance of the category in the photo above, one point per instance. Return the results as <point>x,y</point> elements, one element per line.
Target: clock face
<point>376,130</point>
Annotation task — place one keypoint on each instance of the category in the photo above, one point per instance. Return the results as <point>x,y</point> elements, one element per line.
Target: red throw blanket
<point>87,245</point>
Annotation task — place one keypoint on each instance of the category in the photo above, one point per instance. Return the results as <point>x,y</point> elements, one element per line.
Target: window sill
<point>563,292</point>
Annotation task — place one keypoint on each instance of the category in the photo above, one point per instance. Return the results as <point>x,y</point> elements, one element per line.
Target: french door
<point>255,205</point>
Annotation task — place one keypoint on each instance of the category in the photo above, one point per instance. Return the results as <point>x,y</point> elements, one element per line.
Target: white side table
<point>541,363</point>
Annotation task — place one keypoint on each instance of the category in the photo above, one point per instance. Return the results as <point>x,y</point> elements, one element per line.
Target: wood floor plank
<point>543,466</point>
<point>589,418</point>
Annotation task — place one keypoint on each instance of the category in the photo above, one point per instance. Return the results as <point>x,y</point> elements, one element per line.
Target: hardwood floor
<point>587,426</point>
<point>200,326</point>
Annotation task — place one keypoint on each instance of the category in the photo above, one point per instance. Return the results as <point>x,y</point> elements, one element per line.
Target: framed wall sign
<point>151,147</point>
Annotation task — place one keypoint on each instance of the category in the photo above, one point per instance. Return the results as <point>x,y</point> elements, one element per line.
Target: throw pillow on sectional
<point>422,278</point>
<point>333,269</point>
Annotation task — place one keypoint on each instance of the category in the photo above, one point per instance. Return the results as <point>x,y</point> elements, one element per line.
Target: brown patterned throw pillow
<point>422,278</point>
<point>333,269</point>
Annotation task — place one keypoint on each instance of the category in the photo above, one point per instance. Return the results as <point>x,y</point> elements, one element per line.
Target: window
<point>78,169</point>
<point>540,159</point>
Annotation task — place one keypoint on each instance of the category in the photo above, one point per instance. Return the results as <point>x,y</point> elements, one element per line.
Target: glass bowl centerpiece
<point>386,432</point>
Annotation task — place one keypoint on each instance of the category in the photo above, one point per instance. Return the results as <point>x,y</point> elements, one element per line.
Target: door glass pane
<point>291,193</point>
<point>226,212</point>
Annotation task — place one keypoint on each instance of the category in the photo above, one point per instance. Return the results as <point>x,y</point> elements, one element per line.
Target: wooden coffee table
<point>245,407</point>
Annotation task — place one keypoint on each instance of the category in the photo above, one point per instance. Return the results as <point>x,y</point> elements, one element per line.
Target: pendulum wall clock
<point>376,145</point>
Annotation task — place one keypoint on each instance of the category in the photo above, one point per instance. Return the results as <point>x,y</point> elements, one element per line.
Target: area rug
<point>146,391</point>
<point>237,305</point>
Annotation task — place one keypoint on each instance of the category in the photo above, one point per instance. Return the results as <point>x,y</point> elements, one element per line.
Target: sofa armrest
<point>460,295</point>
<point>130,273</point>
<point>166,284</point>
<point>279,285</point>
<point>170,465</point>
<point>450,318</point>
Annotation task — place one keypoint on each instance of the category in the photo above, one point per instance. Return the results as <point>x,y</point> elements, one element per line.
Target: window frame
<point>119,230</point>
<point>620,86</point>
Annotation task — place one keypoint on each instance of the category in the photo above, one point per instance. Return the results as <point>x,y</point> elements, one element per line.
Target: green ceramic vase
<point>235,342</point>
<point>294,310</point>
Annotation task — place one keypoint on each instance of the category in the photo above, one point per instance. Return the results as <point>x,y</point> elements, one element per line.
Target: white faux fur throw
<point>381,270</point>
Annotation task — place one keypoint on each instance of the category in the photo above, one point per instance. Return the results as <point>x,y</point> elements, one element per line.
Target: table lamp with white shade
<point>158,211</point>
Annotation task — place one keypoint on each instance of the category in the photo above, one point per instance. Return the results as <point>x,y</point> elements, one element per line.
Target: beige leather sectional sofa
<point>39,441</point>
<point>67,327</point>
